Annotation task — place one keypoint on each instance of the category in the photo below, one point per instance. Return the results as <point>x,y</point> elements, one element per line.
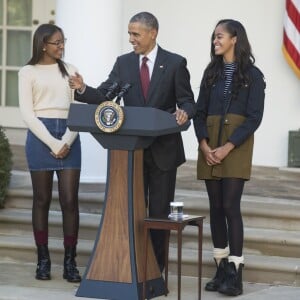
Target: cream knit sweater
<point>43,92</point>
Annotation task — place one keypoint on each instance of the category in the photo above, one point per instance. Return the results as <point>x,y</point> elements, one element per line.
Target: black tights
<point>225,213</point>
<point>68,184</point>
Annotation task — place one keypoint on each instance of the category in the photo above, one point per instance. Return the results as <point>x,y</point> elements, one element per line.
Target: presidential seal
<point>109,116</point>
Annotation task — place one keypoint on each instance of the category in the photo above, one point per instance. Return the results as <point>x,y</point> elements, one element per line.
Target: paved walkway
<point>17,282</point>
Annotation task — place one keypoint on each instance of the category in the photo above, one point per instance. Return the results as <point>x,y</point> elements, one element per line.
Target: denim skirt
<point>38,154</point>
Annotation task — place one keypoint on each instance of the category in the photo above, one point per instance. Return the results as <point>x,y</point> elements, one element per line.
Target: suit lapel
<point>136,77</point>
<point>157,73</point>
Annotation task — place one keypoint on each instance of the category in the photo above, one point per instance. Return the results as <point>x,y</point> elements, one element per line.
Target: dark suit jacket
<point>169,88</point>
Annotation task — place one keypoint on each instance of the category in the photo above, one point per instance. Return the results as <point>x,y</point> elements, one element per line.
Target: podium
<point>116,266</point>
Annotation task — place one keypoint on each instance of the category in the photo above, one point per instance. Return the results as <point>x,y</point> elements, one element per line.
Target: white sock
<point>237,260</point>
<point>220,253</point>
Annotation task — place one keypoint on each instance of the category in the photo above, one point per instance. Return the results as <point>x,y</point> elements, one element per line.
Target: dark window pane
<point>19,13</point>
<point>1,45</point>
<point>12,89</point>
<point>1,12</point>
<point>18,47</point>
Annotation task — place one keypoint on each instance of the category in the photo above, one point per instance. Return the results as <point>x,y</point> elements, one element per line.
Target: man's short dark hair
<point>145,18</point>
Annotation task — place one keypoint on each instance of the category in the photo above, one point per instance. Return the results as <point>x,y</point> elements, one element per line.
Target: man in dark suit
<point>169,90</point>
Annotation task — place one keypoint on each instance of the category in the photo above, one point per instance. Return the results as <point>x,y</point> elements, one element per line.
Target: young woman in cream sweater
<point>45,97</point>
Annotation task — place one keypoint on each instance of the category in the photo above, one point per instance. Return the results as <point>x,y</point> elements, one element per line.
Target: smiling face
<point>53,49</point>
<point>224,43</point>
<point>142,38</point>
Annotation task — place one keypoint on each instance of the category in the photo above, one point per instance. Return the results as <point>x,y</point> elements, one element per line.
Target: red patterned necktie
<point>145,77</point>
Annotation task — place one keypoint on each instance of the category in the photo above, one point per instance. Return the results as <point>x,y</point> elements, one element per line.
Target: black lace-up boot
<point>44,263</point>
<point>233,283</point>
<point>71,272</point>
<point>215,283</point>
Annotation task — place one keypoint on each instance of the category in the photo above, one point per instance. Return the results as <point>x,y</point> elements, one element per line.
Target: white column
<point>93,30</point>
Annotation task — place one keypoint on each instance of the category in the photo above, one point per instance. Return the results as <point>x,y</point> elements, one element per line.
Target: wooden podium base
<point>116,266</point>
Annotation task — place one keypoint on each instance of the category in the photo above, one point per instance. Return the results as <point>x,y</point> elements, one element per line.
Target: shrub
<point>5,165</point>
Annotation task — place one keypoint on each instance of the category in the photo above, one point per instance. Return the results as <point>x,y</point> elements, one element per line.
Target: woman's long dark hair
<point>41,36</point>
<point>243,57</point>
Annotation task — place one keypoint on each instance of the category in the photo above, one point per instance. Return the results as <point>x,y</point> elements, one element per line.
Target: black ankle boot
<point>71,272</point>
<point>215,283</point>
<point>233,283</point>
<point>44,263</point>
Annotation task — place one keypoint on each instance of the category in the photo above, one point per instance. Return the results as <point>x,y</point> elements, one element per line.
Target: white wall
<point>186,27</point>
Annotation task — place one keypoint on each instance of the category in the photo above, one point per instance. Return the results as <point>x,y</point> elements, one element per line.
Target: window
<point>18,20</point>
<point>15,46</point>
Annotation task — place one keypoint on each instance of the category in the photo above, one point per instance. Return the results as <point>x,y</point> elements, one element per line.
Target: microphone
<point>112,91</point>
<point>124,90</point>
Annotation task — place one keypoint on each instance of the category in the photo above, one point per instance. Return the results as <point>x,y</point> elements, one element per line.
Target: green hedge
<point>5,165</point>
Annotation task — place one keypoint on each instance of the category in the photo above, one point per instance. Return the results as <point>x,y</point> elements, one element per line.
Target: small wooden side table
<point>179,224</point>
